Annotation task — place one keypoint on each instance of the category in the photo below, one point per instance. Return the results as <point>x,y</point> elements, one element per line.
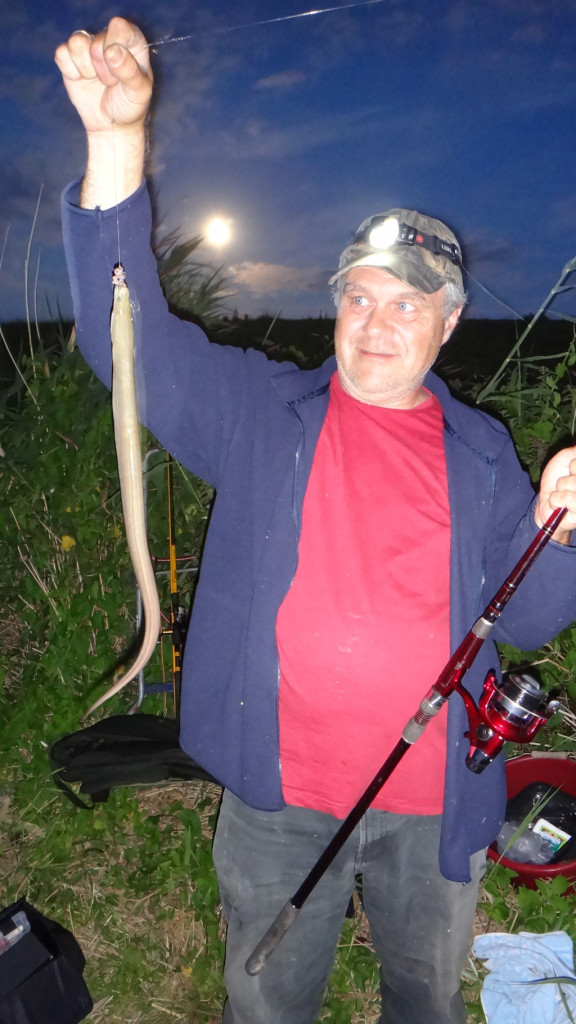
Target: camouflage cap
<point>420,250</point>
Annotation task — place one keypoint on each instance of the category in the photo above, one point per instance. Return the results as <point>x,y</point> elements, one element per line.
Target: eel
<point>127,440</point>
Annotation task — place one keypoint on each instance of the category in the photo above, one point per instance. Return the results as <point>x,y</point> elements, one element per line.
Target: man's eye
<point>405,307</point>
<point>359,300</point>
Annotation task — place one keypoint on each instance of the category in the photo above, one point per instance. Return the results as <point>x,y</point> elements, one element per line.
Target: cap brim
<point>417,275</point>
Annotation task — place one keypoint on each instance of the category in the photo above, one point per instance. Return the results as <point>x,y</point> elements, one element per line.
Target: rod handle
<point>270,940</point>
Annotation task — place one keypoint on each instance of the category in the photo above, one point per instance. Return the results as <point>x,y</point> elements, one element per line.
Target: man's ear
<point>450,323</point>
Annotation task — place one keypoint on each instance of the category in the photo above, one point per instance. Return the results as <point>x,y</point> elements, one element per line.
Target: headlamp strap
<point>411,236</point>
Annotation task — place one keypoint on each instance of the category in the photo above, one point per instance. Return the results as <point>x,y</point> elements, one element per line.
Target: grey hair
<point>454,296</point>
<point>337,290</point>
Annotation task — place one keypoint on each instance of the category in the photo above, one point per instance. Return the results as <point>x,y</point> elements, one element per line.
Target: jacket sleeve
<point>545,601</point>
<point>190,392</point>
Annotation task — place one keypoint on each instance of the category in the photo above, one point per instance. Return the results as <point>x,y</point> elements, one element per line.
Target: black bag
<point>41,973</point>
<point>124,750</point>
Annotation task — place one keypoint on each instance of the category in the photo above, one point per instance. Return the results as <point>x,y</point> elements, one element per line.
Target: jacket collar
<point>297,387</point>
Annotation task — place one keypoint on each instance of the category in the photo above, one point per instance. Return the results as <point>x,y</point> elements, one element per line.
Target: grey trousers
<point>421,924</point>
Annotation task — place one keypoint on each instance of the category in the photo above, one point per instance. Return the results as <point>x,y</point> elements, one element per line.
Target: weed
<point>134,878</point>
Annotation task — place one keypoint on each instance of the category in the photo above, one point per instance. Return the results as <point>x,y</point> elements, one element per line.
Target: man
<point>363,519</point>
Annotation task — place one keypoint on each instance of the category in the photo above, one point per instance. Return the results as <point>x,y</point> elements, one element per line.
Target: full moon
<point>218,231</point>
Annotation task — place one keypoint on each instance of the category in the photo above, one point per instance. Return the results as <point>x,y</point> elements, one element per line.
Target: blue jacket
<point>249,426</point>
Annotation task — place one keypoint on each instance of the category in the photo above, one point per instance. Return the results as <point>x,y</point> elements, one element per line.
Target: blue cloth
<point>249,426</point>
<point>516,960</point>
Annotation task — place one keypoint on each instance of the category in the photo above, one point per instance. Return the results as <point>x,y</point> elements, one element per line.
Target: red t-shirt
<point>364,630</point>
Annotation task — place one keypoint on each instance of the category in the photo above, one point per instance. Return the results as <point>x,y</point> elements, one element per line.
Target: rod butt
<point>270,940</point>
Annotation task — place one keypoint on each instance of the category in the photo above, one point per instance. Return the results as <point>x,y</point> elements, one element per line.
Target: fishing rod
<point>177,623</point>
<point>513,710</point>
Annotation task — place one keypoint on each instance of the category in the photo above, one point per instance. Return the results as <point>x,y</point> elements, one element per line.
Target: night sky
<point>299,129</point>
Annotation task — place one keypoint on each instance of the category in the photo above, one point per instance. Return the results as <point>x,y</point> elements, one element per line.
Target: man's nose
<point>379,322</point>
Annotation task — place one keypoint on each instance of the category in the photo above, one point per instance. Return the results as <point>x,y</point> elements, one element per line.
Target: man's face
<point>387,336</point>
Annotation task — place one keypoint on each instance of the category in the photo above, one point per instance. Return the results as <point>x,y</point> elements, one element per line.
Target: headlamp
<point>385,232</point>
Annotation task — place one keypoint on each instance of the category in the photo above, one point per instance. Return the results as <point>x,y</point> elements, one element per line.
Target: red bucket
<point>557,770</point>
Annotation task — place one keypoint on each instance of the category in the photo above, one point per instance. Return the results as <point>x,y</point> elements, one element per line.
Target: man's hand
<point>108,76</point>
<point>558,490</point>
<point>109,80</point>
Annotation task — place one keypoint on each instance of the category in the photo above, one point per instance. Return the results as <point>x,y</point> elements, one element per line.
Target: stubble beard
<point>400,387</point>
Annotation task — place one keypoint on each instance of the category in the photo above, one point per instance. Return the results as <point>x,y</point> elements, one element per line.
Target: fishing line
<point>291,17</point>
<point>6,233</point>
<point>114,165</point>
<point>127,417</point>
<point>271,21</point>
<point>235,28</point>
<point>492,295</point>
<point>266,21</point>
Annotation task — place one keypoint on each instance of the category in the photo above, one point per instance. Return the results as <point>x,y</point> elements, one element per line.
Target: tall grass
<point>133,878</point>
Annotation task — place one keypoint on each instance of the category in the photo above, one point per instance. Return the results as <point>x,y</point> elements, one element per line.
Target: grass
<point>134,879</point>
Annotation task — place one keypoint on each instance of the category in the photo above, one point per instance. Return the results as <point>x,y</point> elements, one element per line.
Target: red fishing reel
<point>513,710</point>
